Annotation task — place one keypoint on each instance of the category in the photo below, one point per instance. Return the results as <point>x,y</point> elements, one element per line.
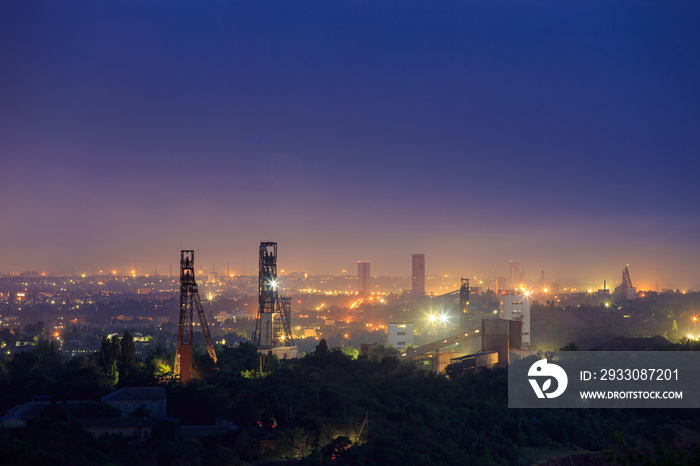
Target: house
<point>137,428</point>
<point>152,400</point>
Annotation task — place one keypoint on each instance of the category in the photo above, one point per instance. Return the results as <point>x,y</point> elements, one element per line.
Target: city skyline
<point>205,272</point>
<point>562,136</point>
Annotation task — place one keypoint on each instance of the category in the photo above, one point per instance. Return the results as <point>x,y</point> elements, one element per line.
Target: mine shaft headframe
<point>267,276</point>
<point>268,295</point>
<point>189,299</point>
<point>183,349</point>
<point>626,281</point>
<point>272,326</point>
<point>186,267</point>
<point>184,329</point>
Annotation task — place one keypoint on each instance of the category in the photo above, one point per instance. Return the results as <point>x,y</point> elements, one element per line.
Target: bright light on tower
<point>443,318</point>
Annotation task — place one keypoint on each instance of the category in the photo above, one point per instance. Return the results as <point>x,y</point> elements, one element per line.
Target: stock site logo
<point>547,371</point>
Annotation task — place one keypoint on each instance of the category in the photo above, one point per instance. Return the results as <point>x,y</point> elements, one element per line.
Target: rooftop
<point>136,394</point>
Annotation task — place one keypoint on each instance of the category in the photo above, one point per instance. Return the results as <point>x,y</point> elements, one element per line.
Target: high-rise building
<point>363,277</point>
<point>418,274</point>
<point>515,275</point>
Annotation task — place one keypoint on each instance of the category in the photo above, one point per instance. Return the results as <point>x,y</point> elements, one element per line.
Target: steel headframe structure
<point>189,299</point>
<point>621,290</point>
<point>272,326</point>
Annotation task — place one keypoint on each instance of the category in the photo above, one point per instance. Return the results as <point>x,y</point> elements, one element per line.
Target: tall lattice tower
<point>272,327</point>
<point>189,299</point>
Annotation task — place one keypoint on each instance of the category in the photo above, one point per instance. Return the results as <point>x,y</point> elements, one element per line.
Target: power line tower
<point>189,299</point>
<point>272,326</point>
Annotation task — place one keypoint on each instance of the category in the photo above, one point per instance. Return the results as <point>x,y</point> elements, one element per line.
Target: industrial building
<point>625,290</point>
<point>400,334</point>
<point>517,307</point>
<point>477,342</point>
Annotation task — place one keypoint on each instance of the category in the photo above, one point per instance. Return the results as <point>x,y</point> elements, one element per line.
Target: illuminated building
<point>517,307</point>
<point>418,274</point>
<point>363,277</point>
<point>400,334</point>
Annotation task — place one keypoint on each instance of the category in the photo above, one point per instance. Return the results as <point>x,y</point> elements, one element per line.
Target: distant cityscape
<point>78,309</point>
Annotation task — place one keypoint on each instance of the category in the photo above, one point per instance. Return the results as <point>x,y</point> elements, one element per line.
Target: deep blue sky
<point>562,133</point>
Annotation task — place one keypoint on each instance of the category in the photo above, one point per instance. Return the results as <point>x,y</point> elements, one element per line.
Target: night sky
<point>565,134</point>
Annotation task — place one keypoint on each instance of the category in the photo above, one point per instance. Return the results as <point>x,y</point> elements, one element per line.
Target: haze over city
<point>349,232</point>
<point>562,135</point>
